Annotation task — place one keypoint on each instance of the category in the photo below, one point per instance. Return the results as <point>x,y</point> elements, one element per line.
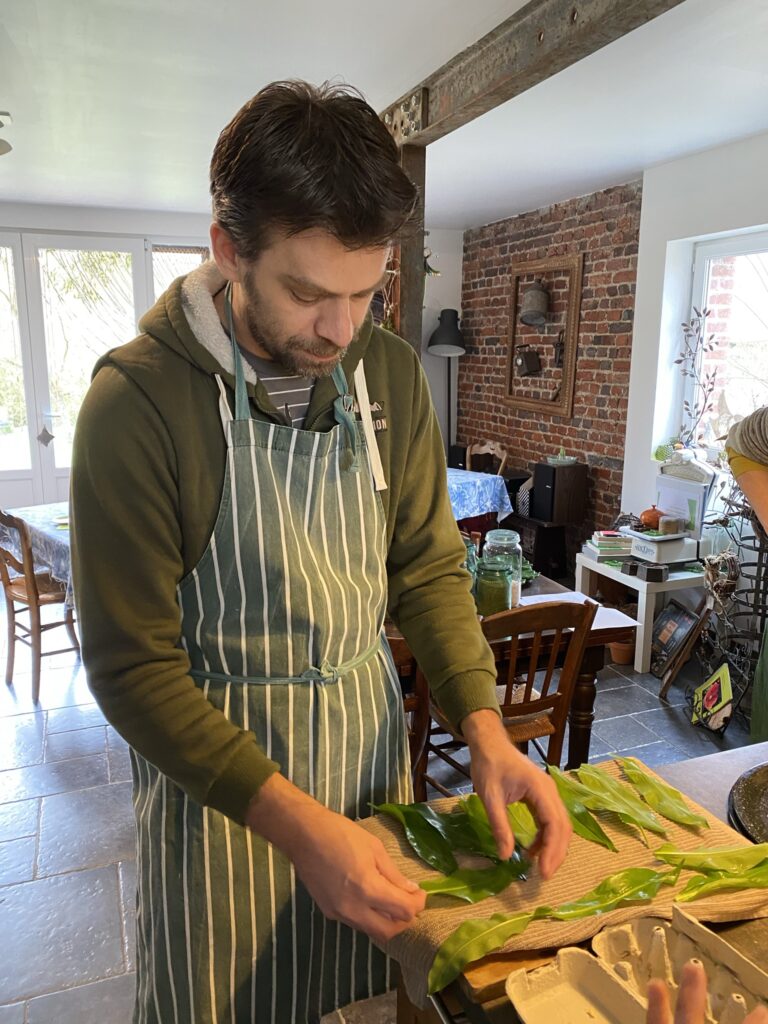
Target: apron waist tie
<point>327,673</point>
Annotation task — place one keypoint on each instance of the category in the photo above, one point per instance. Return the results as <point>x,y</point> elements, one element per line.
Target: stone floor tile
<point>88,828</point>
<point>379,1010</point>
<point>118,757</point>
<point>66,932</point>
<point>81,716</point>
<point>127,873</point>
<point>674,725</point>
<point>19,819</point>
<point>104,1002</point>
<point>21,740</point>
<point>17,860</point>
<point>625,700</point>
<point>56,777</point>
<point>61,746</point>
<point>12,1014</point>
<point>623,732</point>
<point>652,754</point>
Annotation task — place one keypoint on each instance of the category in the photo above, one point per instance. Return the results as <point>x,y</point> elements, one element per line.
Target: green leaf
<point>457,829</point>
<point>734,859</point>
<point>475,810</point>
<point>722,881</point>
<point>634,885</point>
<point>473,885</point>
<point>584,824</point>
<point>425,839</point>
<point>522,823</point>
<point>608,794</point>
<point>664,799</point>
<point>471,941</point>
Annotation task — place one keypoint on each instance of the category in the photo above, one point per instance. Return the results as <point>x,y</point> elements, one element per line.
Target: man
<point>691,1004</point>
<point>239,531</point>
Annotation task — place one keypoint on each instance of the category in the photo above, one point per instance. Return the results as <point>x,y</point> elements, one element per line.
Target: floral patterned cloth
<point>49,537</point>
<point>475,494</point>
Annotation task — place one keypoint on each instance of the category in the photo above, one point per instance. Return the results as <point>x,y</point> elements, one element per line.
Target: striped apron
<point>282,621</point>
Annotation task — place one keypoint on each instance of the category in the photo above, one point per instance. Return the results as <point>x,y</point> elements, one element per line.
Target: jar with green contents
<point>493,590</point>
<point>470,562</point>
<point>504,546</point>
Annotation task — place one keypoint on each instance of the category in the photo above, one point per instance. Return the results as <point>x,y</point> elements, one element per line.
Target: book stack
<point>607,546</point>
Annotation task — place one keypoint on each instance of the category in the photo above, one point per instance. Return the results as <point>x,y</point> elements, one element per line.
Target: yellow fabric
<point>740,463</point>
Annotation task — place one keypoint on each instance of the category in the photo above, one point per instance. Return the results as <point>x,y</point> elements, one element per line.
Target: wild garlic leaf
<point>426,841</point>
<point>724,881</point>
<point>733,859</point>
<point>473,885</point>
<point>611,795</point>
<point>584,824</point>
<point>522,823</point>
<point>475,810</point>
<point>664,799</point>
<point>471,941</point>
<point>633,885</point>
<point>458,830</point>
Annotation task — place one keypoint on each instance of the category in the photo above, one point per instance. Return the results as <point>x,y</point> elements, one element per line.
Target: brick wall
<point>603,226</point>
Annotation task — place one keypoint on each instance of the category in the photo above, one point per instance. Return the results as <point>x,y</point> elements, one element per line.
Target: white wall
<point>720,191</point>
<point>102,220</point>
<point>442,292</point>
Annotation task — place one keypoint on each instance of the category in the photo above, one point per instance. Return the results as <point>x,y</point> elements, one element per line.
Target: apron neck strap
<point>344,414</point>
<point>242,410</point>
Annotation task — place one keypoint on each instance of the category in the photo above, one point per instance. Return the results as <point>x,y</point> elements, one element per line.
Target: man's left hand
<point>502,775</point>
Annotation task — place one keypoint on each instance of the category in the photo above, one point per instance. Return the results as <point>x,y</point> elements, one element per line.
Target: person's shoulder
<point>391,345</point>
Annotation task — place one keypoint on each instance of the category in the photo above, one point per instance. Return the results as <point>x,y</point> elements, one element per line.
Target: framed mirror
<point>544,314</point>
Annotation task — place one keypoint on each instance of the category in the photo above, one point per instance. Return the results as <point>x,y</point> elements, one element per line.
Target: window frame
<point>745,244</point>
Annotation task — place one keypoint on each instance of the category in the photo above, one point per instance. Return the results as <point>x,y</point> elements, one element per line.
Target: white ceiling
<point>119,102</point>
<point>693,78</point>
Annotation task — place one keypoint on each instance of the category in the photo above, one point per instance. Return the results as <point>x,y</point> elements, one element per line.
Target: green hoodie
<point>147,474</point>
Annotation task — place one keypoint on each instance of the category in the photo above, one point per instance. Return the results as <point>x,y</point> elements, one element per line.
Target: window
<point>171,261</point>
<point>730,280</point>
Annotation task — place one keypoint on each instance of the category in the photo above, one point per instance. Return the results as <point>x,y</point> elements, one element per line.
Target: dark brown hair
<point>297,156</point>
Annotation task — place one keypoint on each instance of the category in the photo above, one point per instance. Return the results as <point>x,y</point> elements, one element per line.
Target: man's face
<point>305,298</point>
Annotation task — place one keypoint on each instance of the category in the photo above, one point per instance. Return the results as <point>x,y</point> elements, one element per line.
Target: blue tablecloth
<point>50,540</point>
<point>476,494</point>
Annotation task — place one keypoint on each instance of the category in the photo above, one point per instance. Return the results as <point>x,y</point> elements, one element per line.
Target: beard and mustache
<point>297,354</point>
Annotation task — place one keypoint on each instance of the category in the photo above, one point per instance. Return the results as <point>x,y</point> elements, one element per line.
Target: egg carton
<point>611,986</point>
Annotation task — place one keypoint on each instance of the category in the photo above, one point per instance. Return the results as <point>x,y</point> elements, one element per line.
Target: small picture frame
<point>671,629</point>
<point>712,704</point>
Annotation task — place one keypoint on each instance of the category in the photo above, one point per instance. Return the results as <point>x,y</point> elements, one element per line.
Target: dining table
<point>477,494</point>
<point>48,526</point>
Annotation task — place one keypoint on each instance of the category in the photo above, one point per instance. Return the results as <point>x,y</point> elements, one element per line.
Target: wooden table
<point>478,993</point>
<point>581,714</point>
<point>49,538</point>
<point>588,572</point>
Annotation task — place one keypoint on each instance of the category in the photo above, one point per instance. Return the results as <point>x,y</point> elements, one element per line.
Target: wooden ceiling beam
<point>537,41</point>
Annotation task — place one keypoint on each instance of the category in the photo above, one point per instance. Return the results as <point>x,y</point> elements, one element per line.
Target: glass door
<point>20,464</point>
<point>85,297</point>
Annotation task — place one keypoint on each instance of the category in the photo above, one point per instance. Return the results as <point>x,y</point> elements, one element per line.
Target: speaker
<point>559,493</point>
<point>457,456</point>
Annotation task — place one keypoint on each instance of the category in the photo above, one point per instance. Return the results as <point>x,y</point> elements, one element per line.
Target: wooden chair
<point>535,699</point>
<point>416,707</point>
<point>481,456</point>
<point>31,591</point>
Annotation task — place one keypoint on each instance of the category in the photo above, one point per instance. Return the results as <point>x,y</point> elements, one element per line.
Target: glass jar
<point>494,587</point>
<point>470,562</point>
<point>504,546</point>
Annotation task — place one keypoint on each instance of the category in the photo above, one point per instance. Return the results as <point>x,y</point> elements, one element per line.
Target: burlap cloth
<point>586,865</point>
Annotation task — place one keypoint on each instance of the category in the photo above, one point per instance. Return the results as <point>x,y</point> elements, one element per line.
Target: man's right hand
<point>691,1000</point>
<point>345,869</point>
